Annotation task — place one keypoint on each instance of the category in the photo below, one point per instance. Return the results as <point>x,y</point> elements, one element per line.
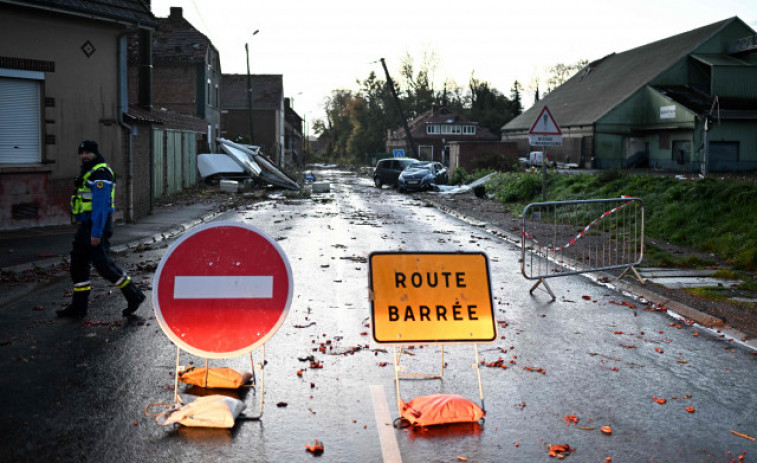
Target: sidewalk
<point>48,246</point>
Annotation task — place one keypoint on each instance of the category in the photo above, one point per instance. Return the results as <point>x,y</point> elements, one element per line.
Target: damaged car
<point>422,176</point>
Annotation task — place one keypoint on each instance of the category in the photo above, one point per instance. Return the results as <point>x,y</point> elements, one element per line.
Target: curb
<point>706,322</point>
<point>156,238</point>
<point>56,261</point>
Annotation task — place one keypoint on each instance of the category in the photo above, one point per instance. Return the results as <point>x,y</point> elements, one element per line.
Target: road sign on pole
<point>431,297</point>
<point>222,290</point>
<point>545,131</point>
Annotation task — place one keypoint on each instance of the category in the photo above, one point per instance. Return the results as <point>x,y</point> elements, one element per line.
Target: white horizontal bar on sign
<point>223,287</point>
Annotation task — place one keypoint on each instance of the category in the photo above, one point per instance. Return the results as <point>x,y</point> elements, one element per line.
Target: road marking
<point>223,287</point>
<point>389,447</point>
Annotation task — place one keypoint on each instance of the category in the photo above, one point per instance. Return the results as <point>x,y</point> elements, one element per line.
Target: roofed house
<point>174,80</point>
<point>187,72</point>
<point>685,103</point>
<point>264,115</point>
<point>433,132</point>
<point>62,80</point>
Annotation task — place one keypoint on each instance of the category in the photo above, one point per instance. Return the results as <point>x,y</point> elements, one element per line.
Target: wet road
<point>77,391</point>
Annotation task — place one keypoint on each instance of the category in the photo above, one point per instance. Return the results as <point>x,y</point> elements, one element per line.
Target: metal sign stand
<point>398,368</point>
<point>255,367</point>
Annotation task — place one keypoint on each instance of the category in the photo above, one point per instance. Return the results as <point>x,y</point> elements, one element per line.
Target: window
<point>20,116</point>
<point>432,129</point>
<point>681,151</point>
<point>469,130</point>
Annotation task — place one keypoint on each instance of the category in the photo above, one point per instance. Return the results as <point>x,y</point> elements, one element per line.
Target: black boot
<point>134,296</point>
<point>78,306</point>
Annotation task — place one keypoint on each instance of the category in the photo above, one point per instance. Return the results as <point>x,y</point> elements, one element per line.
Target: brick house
<point>186,73</point>
<point>268,111</point>
<point>433,131</point>
<point>62,80</point>
<point>174,80</point>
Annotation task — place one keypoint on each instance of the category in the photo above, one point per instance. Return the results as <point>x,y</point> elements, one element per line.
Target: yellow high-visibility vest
<point>81,200</point>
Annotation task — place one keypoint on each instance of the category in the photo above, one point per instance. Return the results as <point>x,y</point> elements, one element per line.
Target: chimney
<point>176,12</point>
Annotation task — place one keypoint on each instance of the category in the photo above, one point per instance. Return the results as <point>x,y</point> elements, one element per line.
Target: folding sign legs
<point>261,367</point>
<point>478,373</point>
<point>255,368</point>
<point>397,375</point>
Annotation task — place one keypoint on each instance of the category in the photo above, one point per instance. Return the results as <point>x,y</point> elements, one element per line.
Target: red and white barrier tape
<point>580,235</point>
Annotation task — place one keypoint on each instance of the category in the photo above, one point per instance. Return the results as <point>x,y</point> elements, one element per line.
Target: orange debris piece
<point>315,449</point>
<point>606,429</point>
<point>559,451</point>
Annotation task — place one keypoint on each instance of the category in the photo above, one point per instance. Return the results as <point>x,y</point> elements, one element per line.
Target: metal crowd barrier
<point>570,237</point>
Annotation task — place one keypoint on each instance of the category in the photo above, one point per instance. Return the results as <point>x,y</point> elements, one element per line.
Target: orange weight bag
<point>438,409</point>
<point>225,378</point>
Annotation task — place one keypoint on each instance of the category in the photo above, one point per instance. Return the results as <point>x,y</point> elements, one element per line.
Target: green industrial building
<point>685,103</point>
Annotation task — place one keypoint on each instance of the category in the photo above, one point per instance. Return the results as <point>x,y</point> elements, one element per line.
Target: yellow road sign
<point>431,297</point>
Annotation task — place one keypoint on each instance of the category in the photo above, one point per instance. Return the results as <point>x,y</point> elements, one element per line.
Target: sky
<point>322,46</point>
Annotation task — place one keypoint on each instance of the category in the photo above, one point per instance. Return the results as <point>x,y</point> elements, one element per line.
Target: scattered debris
<point>316,449</point>
<point>735,433</point>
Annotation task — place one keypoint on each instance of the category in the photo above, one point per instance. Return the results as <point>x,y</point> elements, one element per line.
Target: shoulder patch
<point>99,184</point>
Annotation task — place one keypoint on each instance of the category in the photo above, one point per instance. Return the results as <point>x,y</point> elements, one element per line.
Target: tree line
<point>357,121</point>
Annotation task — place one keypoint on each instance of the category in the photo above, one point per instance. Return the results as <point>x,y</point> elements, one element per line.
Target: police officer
<point>92,206</point>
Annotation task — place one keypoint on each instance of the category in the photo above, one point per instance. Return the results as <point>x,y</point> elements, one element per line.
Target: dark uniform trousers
<point>83,253</point>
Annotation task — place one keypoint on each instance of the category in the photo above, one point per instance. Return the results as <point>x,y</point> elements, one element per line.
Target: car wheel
<point>377,182</point>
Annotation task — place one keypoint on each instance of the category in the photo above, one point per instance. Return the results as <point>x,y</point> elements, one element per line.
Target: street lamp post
<point>249,88</point>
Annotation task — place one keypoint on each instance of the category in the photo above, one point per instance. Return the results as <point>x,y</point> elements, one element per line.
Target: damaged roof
<point>726,108</point>
<point>136,12</point>
<point>605,83</point>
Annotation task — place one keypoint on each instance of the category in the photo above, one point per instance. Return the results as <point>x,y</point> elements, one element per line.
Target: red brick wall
<point>175,88</point>
<point>26,191</point>
<point>483,155</point>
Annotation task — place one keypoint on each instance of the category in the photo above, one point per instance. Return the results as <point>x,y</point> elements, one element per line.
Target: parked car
<point>422,176</point>
<point>387,170</point>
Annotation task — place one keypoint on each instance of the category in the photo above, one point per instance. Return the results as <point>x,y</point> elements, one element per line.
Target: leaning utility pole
<point>390,84</point>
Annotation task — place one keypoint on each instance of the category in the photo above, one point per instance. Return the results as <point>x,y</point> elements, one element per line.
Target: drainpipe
<point>123,104</point>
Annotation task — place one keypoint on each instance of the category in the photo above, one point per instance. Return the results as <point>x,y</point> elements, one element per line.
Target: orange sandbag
<point>224,378</point>
<point>436,409</point>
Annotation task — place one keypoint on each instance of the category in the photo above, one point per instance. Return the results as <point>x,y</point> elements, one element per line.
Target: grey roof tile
<point>136,12</point>
<point>605,83</point>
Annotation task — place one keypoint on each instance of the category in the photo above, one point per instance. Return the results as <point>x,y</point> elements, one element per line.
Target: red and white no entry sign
<point>222,290</point>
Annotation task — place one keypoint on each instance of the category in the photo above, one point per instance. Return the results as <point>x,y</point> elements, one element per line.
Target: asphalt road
<point>77,391</point>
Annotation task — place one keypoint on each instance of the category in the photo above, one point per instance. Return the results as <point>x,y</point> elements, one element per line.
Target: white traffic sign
<point>545,131</point>
<point>222,290</point>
